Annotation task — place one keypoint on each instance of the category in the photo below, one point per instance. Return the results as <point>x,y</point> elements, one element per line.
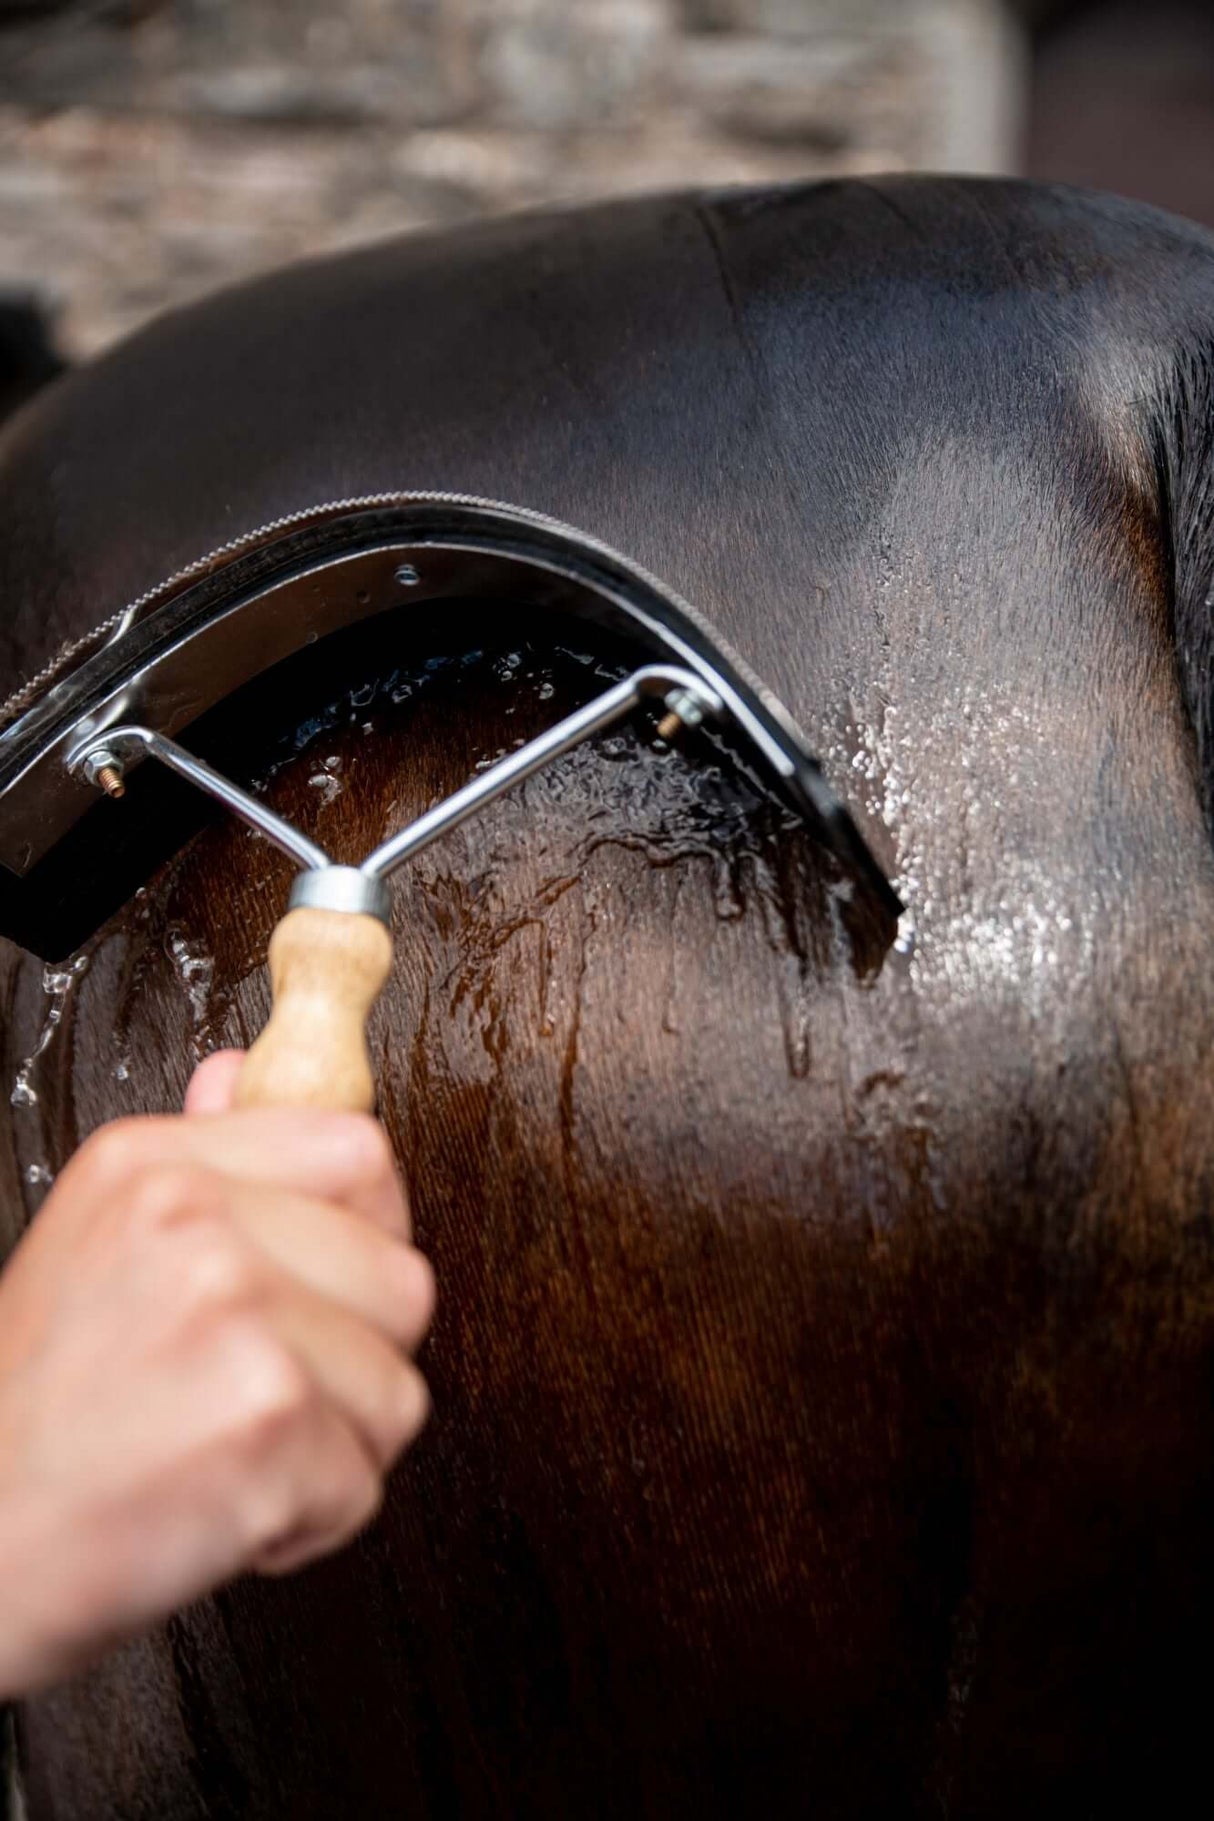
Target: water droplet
<point>195,971</point>
<point>57,983</point>
<point>904,941</point>
<point>797,1043</point>
<point>327,780</point>
<point>726,890</point>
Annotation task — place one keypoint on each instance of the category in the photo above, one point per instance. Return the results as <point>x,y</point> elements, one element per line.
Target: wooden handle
<point>327,968</point>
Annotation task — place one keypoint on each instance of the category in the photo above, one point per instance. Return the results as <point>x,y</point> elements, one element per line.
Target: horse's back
<point>821,1371</point>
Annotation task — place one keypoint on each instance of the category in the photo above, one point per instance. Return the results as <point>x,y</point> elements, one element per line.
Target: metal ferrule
<point>341,888</point>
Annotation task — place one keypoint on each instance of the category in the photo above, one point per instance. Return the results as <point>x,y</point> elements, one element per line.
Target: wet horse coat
<point>823,1362</point>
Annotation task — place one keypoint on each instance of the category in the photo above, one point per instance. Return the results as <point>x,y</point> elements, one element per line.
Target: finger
<point>341,1157</point>
<point>335,1489</point>
<point>213,1084</point>
<point>380,1393</point>
<point>336,1254</point>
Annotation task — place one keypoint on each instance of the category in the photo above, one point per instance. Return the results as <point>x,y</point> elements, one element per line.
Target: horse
<point>822,1366</point>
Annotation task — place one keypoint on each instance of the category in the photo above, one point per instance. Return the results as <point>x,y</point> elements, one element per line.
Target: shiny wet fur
<point>823,1366</point>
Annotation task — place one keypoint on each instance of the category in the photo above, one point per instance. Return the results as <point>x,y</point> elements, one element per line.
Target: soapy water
<point>57,984</point>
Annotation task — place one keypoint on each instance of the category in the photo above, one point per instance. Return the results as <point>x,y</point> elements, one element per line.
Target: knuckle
<point>163,1195</point>
<point>414,1293</point>
<point>267,1509</point>
<point>261,1432</point>
<point>363,1147</point>
<point>342,1495</point>
<point>409,1411</point>
<point>366,1495</point>
<point>218,1273</point>
<point>353,1492</point>
<point>114,1153</point>
<point>276,1395</point>
<point>259,1390</point>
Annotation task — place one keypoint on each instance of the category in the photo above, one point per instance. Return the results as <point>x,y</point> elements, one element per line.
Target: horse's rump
<point>821,1367</point>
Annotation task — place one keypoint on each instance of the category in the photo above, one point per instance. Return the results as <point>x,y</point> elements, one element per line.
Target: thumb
<point>214,1083</point>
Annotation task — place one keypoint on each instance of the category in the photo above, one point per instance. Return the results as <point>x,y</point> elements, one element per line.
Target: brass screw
<point>105,770</point>
<point>684,709</point>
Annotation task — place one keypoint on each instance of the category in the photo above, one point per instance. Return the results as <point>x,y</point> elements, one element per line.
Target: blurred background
<point>153,149</point>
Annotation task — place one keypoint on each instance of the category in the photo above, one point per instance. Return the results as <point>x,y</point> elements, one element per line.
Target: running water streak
<point>57,983</point>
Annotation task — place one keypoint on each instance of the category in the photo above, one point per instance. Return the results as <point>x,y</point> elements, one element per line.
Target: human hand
<point>205,1342</point>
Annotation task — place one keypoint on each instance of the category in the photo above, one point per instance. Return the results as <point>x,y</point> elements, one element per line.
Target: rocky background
<point>153,149</point>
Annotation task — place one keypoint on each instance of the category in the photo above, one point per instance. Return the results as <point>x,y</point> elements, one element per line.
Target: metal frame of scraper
<point>120,695</point>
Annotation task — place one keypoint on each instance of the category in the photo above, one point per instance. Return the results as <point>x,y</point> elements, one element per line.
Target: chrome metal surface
<point>180,682</point>
<point>342,888</point>
<point>363,888</point>
<point>124,743</point>
<point>191,642</point>
<point>41,796</point>
<point>603,711</point>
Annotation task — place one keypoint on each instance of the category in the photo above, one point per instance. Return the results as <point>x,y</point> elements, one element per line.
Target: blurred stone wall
<point>152,149</point>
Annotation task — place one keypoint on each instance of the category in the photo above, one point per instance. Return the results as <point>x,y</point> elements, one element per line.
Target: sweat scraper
<point>117,698</point>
